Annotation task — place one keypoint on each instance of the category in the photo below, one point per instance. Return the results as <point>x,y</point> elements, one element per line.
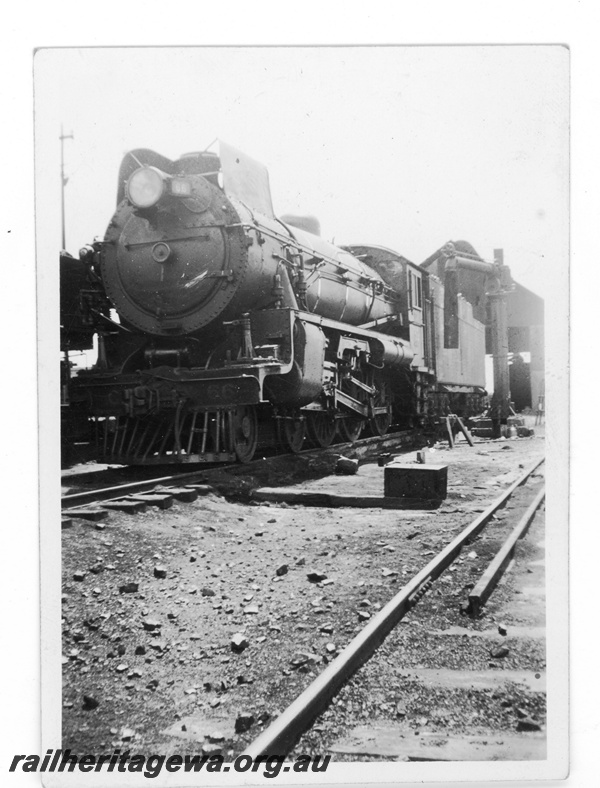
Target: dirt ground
<point>151,603</point>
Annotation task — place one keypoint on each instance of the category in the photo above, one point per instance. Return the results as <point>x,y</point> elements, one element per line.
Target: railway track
<point>361,449</point>
<point>283,734</point>
<point>233,564</point>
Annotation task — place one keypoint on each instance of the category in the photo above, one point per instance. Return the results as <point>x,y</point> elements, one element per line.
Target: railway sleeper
<point>127,506</point>
<point>91,514</point>
<point>183,494</point>
<point>162,501</point>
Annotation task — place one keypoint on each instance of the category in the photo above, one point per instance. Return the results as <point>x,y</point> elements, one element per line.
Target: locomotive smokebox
<point>174,254</point>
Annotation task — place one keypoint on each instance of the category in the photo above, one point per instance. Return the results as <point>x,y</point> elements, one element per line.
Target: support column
<point>500,409</point>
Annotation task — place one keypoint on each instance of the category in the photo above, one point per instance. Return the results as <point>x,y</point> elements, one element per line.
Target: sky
<point>405,147</point>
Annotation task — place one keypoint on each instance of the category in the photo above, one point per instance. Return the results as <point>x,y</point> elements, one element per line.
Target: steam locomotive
<point>222,329</point>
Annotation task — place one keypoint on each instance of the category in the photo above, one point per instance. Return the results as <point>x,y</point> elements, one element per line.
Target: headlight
<point>145,187</point>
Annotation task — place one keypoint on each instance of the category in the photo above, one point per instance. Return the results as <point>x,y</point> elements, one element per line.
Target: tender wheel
<point>292,432</point>
<point>244,428</point>
<point>321,429</point>
<point>350,429</point>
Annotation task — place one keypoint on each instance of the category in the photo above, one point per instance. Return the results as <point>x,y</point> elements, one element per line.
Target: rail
<point>282,734</point>
<point>484,587</point>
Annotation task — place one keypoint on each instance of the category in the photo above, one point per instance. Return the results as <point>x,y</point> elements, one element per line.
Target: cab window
<point>415,290</point>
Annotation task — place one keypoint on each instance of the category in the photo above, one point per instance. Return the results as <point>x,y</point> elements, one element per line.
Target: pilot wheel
<point>244,428</point>
<point>292,431</point>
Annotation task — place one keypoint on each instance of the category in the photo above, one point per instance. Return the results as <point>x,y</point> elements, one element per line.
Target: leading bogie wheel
<point>244,427</point>
<point>292,431</point>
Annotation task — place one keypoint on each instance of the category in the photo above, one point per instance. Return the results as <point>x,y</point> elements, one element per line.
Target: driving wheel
<point>380,424</point>
<point>350,428</point>
<point>321,429</point>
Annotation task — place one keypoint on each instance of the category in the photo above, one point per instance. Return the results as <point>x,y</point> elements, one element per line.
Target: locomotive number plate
<point>222,393</point>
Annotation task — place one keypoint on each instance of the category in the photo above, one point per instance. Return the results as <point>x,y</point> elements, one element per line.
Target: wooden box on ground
<point>415,481</point>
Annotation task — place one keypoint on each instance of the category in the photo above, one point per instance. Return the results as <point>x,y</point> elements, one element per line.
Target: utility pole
<point>63,180</point>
